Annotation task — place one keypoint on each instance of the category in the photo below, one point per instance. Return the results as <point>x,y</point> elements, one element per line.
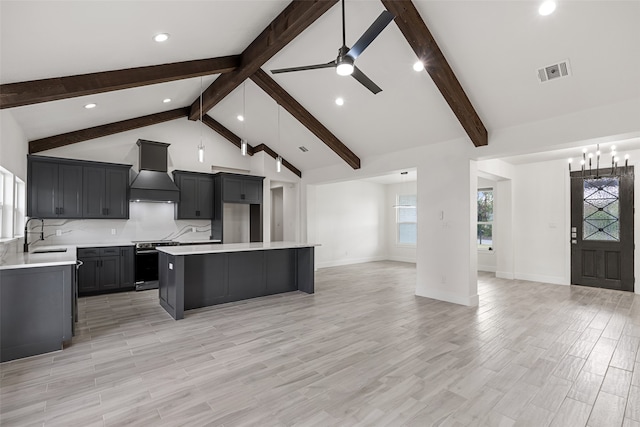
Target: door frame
<point>626,174</point>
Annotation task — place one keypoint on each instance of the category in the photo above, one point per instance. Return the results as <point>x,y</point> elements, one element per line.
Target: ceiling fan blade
<point>372,32</point>
<point>365,81</point>
<point>304,68</point>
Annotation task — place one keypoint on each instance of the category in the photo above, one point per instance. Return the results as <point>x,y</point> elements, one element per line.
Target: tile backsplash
<point>147,221</point>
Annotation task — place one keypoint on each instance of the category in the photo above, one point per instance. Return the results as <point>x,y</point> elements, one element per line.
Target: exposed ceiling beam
<point>226,133</point>
<point>236,140</point>
<point>293,20</point>
<point>69,138</point>
<point>285,163</point>
<point>36,91</point>
<point>419,37</point>
<point>275,91</point>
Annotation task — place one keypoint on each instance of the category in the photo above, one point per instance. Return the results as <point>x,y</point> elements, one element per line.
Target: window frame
<point>492,246</point>
<point>398,207</point>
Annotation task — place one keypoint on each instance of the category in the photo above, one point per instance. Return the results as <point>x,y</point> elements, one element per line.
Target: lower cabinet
<point>36,310</point>
<point>105,269</point>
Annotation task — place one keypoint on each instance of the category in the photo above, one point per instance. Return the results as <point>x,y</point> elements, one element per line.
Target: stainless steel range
<point>146,256</point>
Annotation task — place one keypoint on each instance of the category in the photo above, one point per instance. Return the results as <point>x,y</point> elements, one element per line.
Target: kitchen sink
<point>46,251</point>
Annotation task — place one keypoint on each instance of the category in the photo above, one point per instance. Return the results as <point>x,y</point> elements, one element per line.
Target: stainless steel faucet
<point>27,232</point>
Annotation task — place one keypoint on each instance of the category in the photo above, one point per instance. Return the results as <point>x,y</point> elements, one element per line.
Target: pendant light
<point>278,158</point>
<point>201,146</point>
<point>243,142</point>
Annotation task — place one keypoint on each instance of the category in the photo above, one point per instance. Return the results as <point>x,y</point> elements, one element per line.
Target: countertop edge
<point>230,247</point>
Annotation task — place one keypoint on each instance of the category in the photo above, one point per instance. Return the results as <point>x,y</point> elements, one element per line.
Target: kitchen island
<point>204,275</point>
<point>37,301</point>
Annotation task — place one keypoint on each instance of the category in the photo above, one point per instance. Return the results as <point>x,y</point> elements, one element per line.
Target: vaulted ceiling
<point>493,47</point>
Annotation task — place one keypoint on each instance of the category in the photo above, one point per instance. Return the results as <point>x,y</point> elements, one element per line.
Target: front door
<point>602,228</point>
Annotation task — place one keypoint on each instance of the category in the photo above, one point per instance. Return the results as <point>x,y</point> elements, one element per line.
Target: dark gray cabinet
<point>234,188</point>
<point>105,269</point>
<point>241,188</point>
<point>67,188</point>
<point>196,195</point>
<point>36,310</point>
<point>127,267</point>
<point>105,192</point>
<point>54,189</point>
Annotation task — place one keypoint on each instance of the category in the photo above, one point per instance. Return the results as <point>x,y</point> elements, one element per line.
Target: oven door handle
<point>150,251</point>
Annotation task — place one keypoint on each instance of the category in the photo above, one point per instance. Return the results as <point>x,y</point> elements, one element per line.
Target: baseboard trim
<point>487,268</point>
<point>469,301</point>
<point>401,259</point>
<point>341,262</point>
<point>505,275</point>
<point>554,280</point>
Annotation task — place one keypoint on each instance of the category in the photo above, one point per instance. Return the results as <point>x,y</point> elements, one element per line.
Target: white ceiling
<point>494,47</point>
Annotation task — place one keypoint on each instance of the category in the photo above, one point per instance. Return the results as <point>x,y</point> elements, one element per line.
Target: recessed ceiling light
<point>418,66</point>
<point>166,100</point>
<point>547,8</point>
<point>241,117</point>
<point>90,106</point>
<point>162,37</point>
<point>339,101</point>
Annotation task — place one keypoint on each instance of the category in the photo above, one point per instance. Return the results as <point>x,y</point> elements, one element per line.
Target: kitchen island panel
<point>246,272</point>
<point>36,310</point>
<point>280,268</point>
<point>205,281</point>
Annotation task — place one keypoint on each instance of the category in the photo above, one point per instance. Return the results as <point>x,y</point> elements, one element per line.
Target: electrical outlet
<point>113,231</point>
<point>58,232</point>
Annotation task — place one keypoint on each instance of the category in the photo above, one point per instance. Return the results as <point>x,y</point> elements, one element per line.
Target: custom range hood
<point>153,184</point>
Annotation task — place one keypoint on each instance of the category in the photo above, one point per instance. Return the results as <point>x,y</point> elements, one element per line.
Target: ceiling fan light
<point>344,66</point>
<point>344,69</point>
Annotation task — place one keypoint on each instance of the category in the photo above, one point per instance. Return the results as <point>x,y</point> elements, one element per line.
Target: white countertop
<point>104,244</point>
<point>30,259</point>
<point>231,247</point>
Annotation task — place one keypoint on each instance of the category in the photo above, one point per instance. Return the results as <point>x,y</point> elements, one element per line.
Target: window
<point>485,218</point>
<point>407,219</point>
<point>12,204</point>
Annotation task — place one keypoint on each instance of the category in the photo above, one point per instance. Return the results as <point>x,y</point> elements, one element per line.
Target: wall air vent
<point>303,148</point>
<point>554,71</point>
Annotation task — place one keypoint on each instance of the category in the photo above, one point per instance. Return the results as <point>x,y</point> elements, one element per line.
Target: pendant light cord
<point>201,145</point>
<point>344,37</point>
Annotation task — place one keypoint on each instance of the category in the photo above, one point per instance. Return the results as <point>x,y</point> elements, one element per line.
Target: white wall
<point>13,146</point>
<point>541,208</point>
<point>395,251</point>
<point>350,223</point>
<point>276,214</point>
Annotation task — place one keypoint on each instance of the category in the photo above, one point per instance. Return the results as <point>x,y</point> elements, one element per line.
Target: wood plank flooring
<point>363,350</point>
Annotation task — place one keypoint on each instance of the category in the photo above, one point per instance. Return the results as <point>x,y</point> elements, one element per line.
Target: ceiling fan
<point>344,63</point>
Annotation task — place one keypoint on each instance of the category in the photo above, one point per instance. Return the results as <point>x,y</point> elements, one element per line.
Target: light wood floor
<point>362,351</point>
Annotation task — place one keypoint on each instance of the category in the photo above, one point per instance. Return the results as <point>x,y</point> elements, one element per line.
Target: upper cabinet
<point>241,188</point>
<point>105,192</point>
<point>63,188</point>
<point>54,189</point>
<point>196,195</point>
